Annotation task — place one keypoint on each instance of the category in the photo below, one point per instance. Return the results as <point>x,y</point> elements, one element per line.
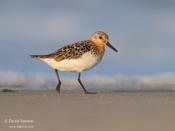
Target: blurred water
<point>38,81</point>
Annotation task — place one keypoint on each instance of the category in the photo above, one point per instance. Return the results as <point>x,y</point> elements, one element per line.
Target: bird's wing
<point>72,51</point>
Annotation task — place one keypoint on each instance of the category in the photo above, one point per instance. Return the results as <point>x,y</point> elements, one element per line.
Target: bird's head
<point>100,38</point>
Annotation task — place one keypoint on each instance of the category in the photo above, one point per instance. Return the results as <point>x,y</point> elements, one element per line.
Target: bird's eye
<point>100,37</point>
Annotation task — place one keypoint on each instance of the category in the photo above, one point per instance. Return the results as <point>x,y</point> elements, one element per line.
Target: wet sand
<point>117,111</point>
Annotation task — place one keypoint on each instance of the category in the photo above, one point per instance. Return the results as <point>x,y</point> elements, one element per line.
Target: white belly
<point>85,62</point>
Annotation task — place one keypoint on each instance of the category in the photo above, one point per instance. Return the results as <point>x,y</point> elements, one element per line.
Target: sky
<point>142,30</point>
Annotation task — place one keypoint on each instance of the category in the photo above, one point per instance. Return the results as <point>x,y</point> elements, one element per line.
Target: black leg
<point>59,81</point>
<point>85,91</point>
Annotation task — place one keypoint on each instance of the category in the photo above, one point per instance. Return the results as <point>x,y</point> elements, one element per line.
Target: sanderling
<point>77,57</point>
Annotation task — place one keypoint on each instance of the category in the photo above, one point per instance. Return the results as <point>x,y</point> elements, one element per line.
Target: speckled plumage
<point>73,51</point>
<point>77,57</point>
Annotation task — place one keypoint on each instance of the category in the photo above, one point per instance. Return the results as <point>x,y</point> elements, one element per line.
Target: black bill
<point>112,47</point>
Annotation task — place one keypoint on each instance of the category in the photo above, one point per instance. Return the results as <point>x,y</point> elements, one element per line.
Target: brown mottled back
<point>73,51</point>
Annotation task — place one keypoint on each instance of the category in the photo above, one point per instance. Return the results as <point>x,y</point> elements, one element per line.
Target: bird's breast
<point>84,62</point>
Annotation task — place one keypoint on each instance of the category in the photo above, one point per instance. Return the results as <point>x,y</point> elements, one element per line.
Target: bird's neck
<point>101,49</point>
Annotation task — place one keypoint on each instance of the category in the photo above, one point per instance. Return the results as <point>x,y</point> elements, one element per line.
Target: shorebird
<point>78,57</point>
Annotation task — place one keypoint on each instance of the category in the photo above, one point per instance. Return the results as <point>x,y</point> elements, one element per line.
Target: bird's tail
<point>34,56</point>
<point>37,56</point>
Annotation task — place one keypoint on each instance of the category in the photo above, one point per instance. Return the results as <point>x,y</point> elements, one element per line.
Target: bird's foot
<point>58,89</point>
<point>87,92</point>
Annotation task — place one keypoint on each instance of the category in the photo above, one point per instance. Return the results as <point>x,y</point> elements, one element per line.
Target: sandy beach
<point>117,111</point>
